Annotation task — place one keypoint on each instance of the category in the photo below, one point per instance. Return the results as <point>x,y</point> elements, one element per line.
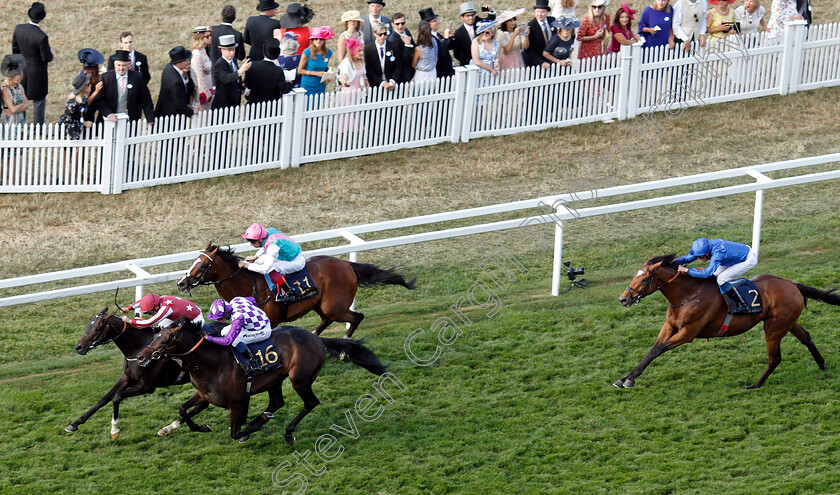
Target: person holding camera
<point>727,261</point>
<point>720,21</point>
<point>462,42</point>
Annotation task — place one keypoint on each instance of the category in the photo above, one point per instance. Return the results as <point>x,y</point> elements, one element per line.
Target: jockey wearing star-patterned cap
<point>167,311</point>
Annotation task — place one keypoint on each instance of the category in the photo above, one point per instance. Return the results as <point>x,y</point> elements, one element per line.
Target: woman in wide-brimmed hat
<point>352,21</point>
<point>294,21</point>
<point>720,21</point>
<point>594,29</point>
<point>513,39</point>
<point>202,65</point>
<point>92,64</point>
<point>315,59</point>
<point>73,117</point>
<point>561,47</point>
<point>13,102</point>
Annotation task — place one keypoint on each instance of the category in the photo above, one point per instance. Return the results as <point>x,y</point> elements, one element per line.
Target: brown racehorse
<point>697,309</point>
<point>335,279</point>
<point>135,380</point>
<point>220,381</point>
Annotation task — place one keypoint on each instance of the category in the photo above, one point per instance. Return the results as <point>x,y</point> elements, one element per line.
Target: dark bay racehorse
<point>335,279</point>
<point>135,380</point>
<point>220,381</point>
<point>697,310</point>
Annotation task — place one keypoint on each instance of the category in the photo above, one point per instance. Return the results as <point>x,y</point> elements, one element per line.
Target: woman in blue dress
<point>656,23</point>
<point>288,61</point>
<point>314,61</point>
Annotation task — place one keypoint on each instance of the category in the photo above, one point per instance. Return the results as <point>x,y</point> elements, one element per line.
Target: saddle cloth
<point>749,293</point>
<point>300,282</point>
<point>266,353</point>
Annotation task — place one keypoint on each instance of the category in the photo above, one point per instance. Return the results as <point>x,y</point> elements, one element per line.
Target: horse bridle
<point>155,355</point>
<point>200,279</point>
<point>636,296</point>
<point>97,342</point>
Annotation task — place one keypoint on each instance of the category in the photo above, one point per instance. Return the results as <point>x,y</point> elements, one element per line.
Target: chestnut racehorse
<point>697,309</point>
<point>335,279</point>
<point>220,381</point>
<point>135,380</point>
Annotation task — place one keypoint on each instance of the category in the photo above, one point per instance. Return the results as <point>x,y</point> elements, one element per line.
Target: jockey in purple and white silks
<point>248,324</point>
<point>727,261</point>
<point>277,254</point>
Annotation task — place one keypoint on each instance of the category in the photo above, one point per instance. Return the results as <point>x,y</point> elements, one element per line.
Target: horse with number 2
<point>697,309</point>
<point>335,279</point>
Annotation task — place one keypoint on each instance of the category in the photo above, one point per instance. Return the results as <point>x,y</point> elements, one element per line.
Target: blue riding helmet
<point>700,247</point>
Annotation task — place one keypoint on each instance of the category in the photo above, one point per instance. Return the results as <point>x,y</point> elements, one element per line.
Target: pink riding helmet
<point>219,309</point>
<point>255,232</point>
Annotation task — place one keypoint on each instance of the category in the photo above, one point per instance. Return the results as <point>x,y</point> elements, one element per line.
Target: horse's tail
<point>372,275</point>
<point>357,352</point>
<point>827,296</point>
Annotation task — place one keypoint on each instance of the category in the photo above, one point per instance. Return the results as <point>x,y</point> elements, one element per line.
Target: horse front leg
<point>666,341</point>
<point>238,411</point>
<point>275,402</point>
<point>122,383</point>
<point>187,410</point>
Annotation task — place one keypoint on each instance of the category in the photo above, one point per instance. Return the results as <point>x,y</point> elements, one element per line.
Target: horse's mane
<point>227,254</point>
<point>667,261</point>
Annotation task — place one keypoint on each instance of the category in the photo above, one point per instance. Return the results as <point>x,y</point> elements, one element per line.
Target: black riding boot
<point>253,365</point>
<point>740,305</point>
<point>284,293</point>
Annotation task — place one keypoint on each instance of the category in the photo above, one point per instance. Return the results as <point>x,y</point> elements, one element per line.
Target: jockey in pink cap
<point>167,311</point>
<point>278,254</point>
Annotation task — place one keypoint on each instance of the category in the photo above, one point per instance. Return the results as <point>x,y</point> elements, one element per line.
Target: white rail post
<point>119,154</point>
<point>624,81</point>
<point>759,206</point>
<point>297,126</point>
<point>799,31</point>
<point>558,257</point>
<point>286,132</point>
<point>108,130</point>
<point>457,109</point>
<point>635,80</point>
<point>354,257</point>
<point>469,103</point>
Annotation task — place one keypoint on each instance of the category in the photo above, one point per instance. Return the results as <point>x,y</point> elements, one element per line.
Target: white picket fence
<point>303,128</point>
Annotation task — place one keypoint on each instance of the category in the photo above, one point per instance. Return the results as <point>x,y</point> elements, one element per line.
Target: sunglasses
<point>597,6</point>
<point>398,23</point>
<point>381,34</point>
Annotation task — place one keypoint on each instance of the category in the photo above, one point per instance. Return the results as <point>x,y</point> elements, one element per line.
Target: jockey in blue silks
<point>727,261</point>
<point>278,254</point>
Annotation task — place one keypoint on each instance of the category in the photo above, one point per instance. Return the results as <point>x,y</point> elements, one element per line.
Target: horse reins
<point>97,343</point>
<point>637,295</point>
<point>200,279</point>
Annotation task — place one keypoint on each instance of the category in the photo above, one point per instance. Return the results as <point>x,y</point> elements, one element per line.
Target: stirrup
<point>284,297</point>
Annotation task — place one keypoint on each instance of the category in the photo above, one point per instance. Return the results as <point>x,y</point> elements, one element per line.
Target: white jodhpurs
<point>252,336</point>
<point>726,274</point>
<point>295,265</point>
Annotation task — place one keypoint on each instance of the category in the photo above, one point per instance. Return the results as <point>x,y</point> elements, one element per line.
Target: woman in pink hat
<point>720,21</point>
<point>622,29</point>
<point>315,59</point>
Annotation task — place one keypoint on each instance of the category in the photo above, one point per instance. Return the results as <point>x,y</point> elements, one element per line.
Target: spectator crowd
<point>273,55</point>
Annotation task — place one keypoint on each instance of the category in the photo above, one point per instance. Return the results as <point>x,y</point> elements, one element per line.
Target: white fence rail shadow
<point>303,128</point>
<point>549,209</point>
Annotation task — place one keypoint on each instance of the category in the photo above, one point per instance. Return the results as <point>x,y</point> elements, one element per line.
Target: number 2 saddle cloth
<point>749,293</point>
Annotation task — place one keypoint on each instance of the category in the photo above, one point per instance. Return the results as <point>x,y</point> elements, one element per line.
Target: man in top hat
<point>176,86</point>
<point>124,91</point>
<point>226,27</point>
<point>445,67</point>
<point>539,34</point>
<point>29,41</point>
<point>139,62</point>
<point>374,16</point>
<point>294,21</point>
<point>265,79</point>
<point>400,38</point>
<point>462,43</point>
<point>227,75</point>
<point>259,28</point>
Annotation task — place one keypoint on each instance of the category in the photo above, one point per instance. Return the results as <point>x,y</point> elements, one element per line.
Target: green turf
<point>520,402</point>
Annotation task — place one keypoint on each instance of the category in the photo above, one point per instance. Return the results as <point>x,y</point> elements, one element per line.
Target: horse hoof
<point>204,428</point>
<point>618,384</point>
<point>115,435</point>
<point>71,428</point>
<point>343,356</point>
<point>245,439</point>
<point>163,432</point>
<point>629,383</point>
<point>290,439</point>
